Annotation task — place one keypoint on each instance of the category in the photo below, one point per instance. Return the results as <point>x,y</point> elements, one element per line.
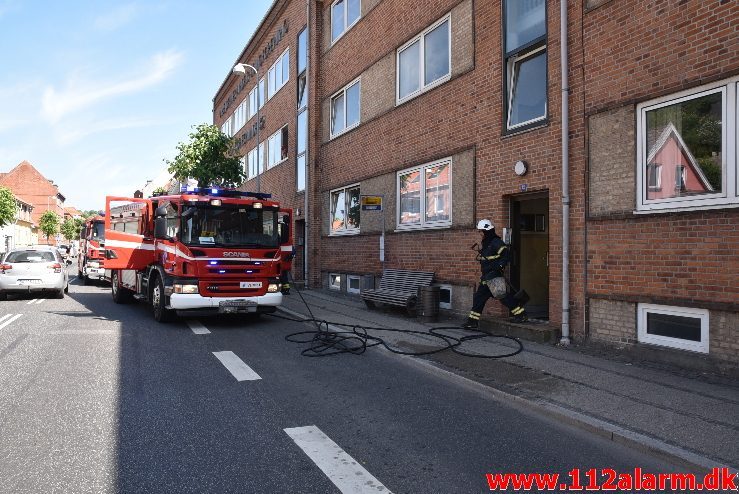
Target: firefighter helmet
<point>485,225</point>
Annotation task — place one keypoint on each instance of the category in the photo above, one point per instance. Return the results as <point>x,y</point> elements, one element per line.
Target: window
<point>445,296</point>
<point>239,118</point>
<point>686,149</point>
<point>345,210</point>
<point>425,61</point>
<point>277,147</point>
<point>255,166</point>
<point>334,281</point>
<point>262,95</point>
<point>226,127</point>
<point>302,149</point>
<point>345,109</point>
<point>526,62</point>
<point>676,327</point>
<point>424,196</point>
<point>252,102</point>
<point>279,73</point>
<point>344,14</point>
<point>352,284</point>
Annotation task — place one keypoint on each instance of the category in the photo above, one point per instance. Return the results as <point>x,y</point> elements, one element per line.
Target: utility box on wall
<point>367,282</point>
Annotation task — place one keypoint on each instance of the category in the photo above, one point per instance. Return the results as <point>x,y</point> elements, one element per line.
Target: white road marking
<point>236,366</point>
<point>40,300</point>
<point>5,317</point>
<point>197,327</point>
<point>341,469</point>
<point>31,301</point>
<point>9,321</point>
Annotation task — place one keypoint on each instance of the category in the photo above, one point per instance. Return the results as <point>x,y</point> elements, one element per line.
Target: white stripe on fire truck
<point>131,245</point>
<point>179,253</point>
<point>286,248</point>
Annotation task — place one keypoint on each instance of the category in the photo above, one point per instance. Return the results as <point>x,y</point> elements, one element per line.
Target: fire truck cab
<point>90,257</point>
<point>203,250</point>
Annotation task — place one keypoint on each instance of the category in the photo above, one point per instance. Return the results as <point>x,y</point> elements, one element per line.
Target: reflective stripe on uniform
<point>474,315</point>
<point>517,311</point>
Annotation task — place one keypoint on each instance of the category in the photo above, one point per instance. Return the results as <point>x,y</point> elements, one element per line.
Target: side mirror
<point>83,232</point>
<point>161,211</point>
<point>160,227</point>
<point>284,230</point>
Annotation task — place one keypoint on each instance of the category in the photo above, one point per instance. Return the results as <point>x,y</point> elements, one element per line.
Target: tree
<point>89,213</point>
<point>71,228</point>
<point>208,159</point>
<point>49,223</point>
<point>7,207</point>
<point>159,191</point>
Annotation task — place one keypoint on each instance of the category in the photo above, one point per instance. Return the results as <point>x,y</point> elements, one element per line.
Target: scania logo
<point>236,254</point>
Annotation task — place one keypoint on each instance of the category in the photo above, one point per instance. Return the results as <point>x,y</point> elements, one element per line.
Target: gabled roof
<point>671,130</point>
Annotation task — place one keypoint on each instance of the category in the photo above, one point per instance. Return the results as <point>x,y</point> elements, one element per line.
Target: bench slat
<point>398,286</point>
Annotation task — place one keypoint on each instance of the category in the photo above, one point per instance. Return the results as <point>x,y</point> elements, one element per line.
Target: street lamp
<point>240,68</point>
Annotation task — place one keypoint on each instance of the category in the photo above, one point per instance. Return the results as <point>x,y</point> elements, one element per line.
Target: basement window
<point>675,327</point>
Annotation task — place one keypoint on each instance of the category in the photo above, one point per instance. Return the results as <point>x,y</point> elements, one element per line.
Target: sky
<point>97,94</point>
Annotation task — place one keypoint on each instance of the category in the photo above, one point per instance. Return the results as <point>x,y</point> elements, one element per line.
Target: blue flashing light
<point>224,192</point>
<point>190,188</point>
<point>213,263</point>
<point>222,271</point>
<point>258,263</point>
<point>249,271</point>
<point>214,191</point>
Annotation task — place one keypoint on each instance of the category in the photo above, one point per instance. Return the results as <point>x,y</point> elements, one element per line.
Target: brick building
<point>457,112</point>
<point>30,186</point>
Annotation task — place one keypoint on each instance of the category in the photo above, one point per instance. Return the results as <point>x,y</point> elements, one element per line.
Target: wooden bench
<point>398,287</point>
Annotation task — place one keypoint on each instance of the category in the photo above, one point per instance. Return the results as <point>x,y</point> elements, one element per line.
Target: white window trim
<point>730,168</point>
<point>331,284</point>
<point>344,231</point>
<point>338,93</point>
<point>347,27</point>
<point>424,225</point>
<point>269,143</point>
<point>512,61</point>
<point>422,70</point>
<point>252,110</point>
<point>279,60</point>
<point>694,346</point>
<point>261,144</point>
<point>349,288</point>
<point>445,305</point>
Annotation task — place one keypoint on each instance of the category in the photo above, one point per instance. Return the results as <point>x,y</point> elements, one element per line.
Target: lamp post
<point>240,68</point>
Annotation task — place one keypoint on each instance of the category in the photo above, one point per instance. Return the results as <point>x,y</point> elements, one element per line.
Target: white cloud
<point>71,134</point>
<point>80,94</point>
<point>116,18</point>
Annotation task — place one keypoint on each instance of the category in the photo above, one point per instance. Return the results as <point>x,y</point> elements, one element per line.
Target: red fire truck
<point>91,253</point>
<point>219,251</point>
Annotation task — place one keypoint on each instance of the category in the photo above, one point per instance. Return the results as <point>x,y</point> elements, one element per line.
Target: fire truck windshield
<point>97,231</point>
<point>229,226</point>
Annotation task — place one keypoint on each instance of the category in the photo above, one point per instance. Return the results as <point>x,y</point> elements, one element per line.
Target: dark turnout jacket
<point>493,256</point>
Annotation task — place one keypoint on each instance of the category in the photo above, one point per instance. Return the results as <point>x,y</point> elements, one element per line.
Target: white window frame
<point>240,116</point>
<point>343,92</point>
<point>422,67</point>
<point>347,27</point>
<point>666,341</point>
<point>346,230</point>
<point>446,305</point>
<point>424,225</point>
<point>273,86</point>
<point>512,75</point>
<point>252,155</point>
<point>331,284</point>
<point>349,288</point>
<point>252,102</point>
<point>270,145</point>
<point>729,197</point>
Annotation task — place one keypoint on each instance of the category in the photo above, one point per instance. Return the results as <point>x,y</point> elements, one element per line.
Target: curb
<point>634,440</point>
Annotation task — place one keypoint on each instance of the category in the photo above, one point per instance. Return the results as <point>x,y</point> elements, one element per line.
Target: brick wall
<point>612,321</point>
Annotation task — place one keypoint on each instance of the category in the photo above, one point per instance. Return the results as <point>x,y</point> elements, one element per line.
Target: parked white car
<point>33,269</point>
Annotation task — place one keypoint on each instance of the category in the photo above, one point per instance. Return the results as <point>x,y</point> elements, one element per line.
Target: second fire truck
<point>91,252</point>
<point>200,250</point>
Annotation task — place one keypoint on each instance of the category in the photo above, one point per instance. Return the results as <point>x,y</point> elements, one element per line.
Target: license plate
<point>250,284</point>
<point>29,282</point>
<point>237,303</point>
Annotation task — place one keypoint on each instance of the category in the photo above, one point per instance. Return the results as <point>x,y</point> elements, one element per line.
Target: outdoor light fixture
<point>240,68</point>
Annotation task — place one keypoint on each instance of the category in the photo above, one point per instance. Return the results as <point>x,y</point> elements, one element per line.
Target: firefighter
<point>493,256</point>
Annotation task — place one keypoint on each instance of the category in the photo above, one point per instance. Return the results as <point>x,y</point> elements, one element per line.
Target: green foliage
<point>49,223</point>
<point>7,207</point>
<point>71,228</point>
<point>89,213</point>
<point>159,191</point>
<point>207,159</point>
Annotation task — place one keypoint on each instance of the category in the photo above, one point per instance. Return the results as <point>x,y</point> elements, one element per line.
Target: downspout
<point>308,35</point>
<point>565,340</point>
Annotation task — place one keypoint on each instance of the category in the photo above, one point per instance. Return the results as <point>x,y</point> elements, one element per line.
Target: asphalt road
<point>98,397</point>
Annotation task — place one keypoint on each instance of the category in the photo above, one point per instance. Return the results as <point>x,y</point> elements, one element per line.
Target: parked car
<point>33,269</point>
<point>64,249</point>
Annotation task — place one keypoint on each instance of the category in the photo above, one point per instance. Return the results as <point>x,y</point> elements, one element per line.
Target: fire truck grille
<point>226,289</point>
<point>225,270</point>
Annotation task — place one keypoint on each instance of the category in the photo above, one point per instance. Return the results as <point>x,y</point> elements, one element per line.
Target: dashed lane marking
<point>40,300</point>
<point>31,301</point>
<point>236,366</point>
<point>339,467</point>
<point>8,319</point>
<point>197,327</point>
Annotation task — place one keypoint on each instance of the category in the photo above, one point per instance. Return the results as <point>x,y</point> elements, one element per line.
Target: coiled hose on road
<point>324,342</point>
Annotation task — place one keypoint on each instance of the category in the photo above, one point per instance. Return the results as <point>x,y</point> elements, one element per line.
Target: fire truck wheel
<point>120,295</point>
<point>161,313</point>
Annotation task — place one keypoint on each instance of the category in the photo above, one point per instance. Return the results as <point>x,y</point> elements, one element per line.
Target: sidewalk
<point>692,421</point>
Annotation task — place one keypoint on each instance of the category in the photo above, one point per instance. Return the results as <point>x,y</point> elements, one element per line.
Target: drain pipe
<point>306,204</point>
<point>565,340</point>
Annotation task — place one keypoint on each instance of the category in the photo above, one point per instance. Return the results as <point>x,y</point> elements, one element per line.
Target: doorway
<point>530,251</point>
